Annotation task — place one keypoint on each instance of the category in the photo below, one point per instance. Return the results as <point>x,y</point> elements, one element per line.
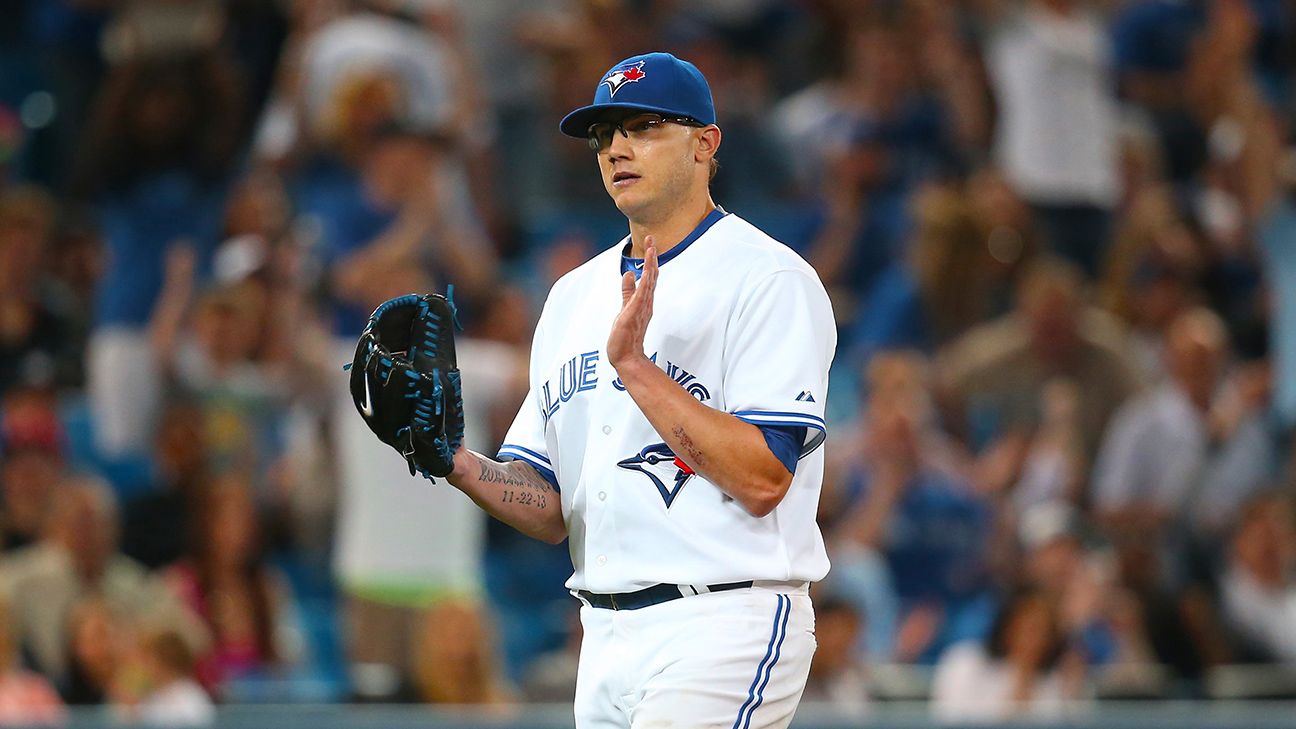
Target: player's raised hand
<point>627,338</point>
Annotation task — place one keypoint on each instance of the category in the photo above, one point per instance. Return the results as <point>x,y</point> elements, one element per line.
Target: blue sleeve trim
<point>813,423</point>
<point>784,442</point>
<point>509,452</point>
<point>523,451</point>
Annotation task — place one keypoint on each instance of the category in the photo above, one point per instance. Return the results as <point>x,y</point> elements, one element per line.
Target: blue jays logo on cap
<point>618,77</point>
<point>660,458</point>
<point>652,82</point>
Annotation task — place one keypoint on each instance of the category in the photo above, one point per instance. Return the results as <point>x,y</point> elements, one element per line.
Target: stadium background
<point>1061,242</point>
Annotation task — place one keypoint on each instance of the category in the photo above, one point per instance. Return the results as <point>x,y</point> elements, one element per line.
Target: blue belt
<point>654,595</point>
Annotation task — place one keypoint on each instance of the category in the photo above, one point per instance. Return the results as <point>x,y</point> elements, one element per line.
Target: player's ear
<point>708,142</point>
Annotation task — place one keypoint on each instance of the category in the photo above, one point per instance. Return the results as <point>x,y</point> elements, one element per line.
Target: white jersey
<point>743,324</point>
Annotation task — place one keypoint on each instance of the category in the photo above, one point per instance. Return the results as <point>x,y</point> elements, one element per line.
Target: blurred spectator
<point>26,698</point>
<point>163,691</point>
<point>75,265</point>
<point>409,172</point>
<point>966,250</point>
<point>1054,463</point>
<point>1021,670</point>
<point>157,526</point>
<point>396,70</point>
<point>1153,41</point>
<point>993,376</point>
<point>246,347</point>
<point>334,53</point>
<point>1100,620</point>
<point>1266,183</point>
<point>1179,461</point>
<point>98,642</point>
<point>456,662</point>
<point>281,133</point>
<point>1259,584</point>
<point>39,338</point>
<point>903,84</point>
<point>551,677</point>
<point>1151,273</point>
<point>31,464</point>
<point>907,499</point>
<point>837,676</point>
<point>77,556</point>
<point>894,135</point>
<point>162,138</point>
<point>226,580</point>
<point>221,365</point>
<point>1050,65</point>
<point>393,219</point>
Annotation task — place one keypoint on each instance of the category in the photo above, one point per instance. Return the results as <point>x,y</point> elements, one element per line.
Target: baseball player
<point>672,430</point>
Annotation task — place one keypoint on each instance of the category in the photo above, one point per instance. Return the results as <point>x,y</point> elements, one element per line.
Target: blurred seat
<point>900,682</point>
<point>1132,682</point>
<point>1251,682</point>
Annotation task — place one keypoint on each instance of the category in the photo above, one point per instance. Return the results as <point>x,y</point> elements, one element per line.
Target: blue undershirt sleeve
<point>784,442</point>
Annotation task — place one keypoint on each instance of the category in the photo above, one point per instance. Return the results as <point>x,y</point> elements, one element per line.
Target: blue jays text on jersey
<point>578,374</point>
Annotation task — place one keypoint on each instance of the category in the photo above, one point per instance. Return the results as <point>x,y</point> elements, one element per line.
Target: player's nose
<point>620,148</point>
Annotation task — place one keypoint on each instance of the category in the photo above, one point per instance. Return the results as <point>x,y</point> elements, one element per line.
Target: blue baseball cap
<point>652,82</point>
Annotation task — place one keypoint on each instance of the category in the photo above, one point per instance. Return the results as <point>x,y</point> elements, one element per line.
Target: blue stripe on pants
<point>778,650</point>
<point>777,632</point>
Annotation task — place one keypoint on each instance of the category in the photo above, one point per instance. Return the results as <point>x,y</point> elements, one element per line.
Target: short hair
<point>78,488</point>
<point>715,167</point>
<point>1048,275</point>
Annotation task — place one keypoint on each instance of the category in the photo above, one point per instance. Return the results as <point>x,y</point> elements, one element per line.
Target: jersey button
<point>602,560</point>
<point>607,430</point>
<point>602,496</point>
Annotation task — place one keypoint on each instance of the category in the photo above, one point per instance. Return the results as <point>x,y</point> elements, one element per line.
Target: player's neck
<point>670,230</point>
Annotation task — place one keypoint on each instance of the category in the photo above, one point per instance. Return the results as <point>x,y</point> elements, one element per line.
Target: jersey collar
<point>636,264</point>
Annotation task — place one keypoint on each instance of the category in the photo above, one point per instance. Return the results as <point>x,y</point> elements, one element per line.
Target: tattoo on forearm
<point>695,453</point>
<point>521,485</point>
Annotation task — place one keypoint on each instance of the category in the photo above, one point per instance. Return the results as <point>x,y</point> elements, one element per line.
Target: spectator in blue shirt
<point>907,499</point>
<point>163,134</point>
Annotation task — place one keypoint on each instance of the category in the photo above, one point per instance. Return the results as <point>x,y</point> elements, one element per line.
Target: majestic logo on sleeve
<point>623,75</point>
<point>659,463</point>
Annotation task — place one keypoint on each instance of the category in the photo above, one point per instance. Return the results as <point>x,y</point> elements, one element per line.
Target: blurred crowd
<point>1059,236</point>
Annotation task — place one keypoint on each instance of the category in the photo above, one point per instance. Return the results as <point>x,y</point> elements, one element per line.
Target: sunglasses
<point>635,128</point>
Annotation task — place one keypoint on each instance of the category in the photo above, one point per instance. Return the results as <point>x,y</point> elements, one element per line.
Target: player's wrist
<point>632,368</point>
<point>464,462</point>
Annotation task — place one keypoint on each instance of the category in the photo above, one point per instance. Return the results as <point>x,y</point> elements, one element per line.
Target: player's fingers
<point>649,280</point>
<point>627,288</point>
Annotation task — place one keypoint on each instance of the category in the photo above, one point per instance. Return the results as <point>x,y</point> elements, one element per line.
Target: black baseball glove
<point>405,383</point>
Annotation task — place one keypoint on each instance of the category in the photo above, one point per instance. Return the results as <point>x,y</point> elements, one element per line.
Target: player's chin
<point>628,200</point>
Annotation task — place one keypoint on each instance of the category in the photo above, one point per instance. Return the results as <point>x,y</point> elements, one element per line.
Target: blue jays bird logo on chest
<point>660,464</point>
<point>623,75</point>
